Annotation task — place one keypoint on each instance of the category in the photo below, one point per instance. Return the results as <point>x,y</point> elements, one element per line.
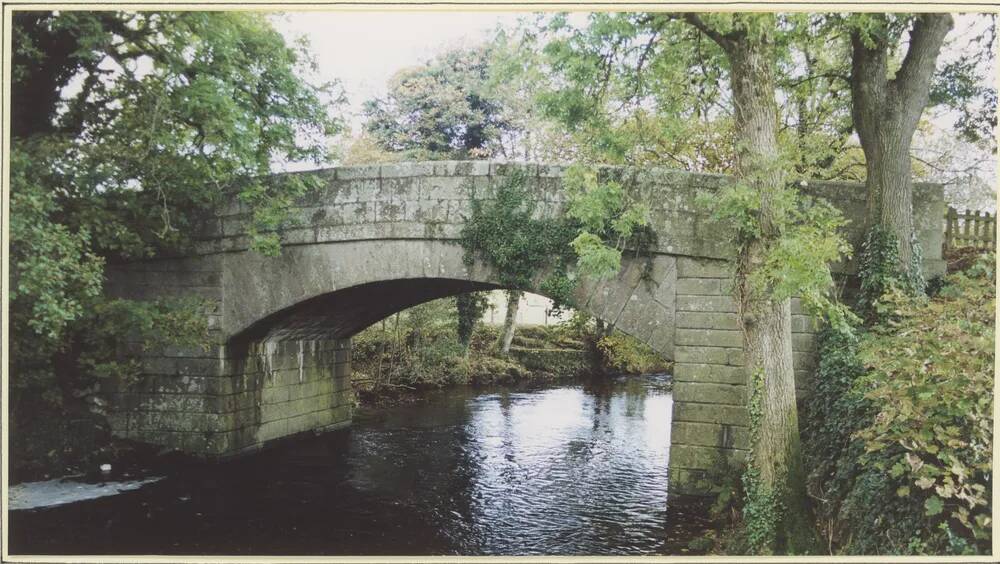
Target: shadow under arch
<point>342,313</point>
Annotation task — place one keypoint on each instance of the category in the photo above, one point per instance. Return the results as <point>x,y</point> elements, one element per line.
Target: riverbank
<point>394,363</point>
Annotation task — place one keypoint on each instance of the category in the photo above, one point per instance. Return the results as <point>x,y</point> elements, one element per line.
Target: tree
<point>510,320</point>
<point>725,72</point>
<point>765,318</point>
<point>128,127</point>
<point>886,111</point>
<point>439,110</point>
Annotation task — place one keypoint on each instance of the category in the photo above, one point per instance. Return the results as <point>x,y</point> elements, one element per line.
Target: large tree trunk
<point>510,320</point>
<point>765,321</point>
<point>885,114</point>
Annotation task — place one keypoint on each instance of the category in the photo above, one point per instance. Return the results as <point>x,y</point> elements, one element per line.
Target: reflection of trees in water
<point>415,453</point>
<point>635,392</point>
<point>548,471</point>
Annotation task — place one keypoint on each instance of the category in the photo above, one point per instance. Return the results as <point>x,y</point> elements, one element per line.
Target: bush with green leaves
<point>899,425</point>
<point>627,354</point>
<point>470,308</point>
<point>130,127</point>
<point>505,234</point>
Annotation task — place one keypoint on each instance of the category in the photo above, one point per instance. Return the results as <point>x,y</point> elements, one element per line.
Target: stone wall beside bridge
<point>375,240</point>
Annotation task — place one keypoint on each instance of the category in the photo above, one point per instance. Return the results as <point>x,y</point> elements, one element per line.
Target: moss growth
<point>622,353</point>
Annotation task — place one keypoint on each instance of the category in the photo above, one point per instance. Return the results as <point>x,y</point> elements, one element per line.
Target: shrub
<point>931,376</point>
<point>627,354</point>
<point>898,429</point>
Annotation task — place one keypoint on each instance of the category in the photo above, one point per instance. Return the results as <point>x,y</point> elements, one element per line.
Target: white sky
<point>364,49</point>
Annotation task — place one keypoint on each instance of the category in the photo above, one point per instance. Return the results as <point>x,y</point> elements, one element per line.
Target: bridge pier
<point>228,402</point>
<point>710,422</point>
<point>231,397</point>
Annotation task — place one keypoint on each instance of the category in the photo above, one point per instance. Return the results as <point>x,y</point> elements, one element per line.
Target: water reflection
<point>579,469</point>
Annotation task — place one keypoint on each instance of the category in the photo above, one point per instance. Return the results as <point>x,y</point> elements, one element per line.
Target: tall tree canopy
<point>126,127</point>
<point>442,109</point>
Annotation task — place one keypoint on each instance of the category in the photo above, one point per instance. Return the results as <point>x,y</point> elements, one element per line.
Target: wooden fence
<point>970,229</point>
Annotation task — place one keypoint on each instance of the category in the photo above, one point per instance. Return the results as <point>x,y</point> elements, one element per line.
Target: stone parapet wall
<point>423,200</point>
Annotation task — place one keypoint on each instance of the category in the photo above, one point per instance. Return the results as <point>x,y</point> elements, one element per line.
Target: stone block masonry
<point>710,389</point>
<point>374,240</point>
<point>230,396</point>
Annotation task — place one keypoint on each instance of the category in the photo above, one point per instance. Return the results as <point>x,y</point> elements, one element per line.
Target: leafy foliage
<point>504,233</point>
<point>419,349</point>
<point>443,109</point>
<point>931,373</point>
<point>878,273</point>
<point>56,274</point>
<point>899,426</point>
<point>470,308</point>
<point>610,220</point>
<point>130,125</point>
<point>630,355</point>
<point>807,239</point>
<point>763,506</point>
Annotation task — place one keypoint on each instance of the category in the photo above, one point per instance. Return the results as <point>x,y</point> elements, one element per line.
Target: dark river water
<point>575,469</point>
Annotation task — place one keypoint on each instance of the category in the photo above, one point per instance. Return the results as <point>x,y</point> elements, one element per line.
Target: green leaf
<point>933,506</point>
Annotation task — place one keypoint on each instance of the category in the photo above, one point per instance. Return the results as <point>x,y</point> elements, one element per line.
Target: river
<point>577,468</point>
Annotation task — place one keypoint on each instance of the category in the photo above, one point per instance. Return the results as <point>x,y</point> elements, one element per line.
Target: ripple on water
<point>579,469</point>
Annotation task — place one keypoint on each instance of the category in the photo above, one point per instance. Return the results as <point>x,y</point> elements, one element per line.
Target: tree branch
<point>926,38</point>
<point>809,78</point>
<point>723,41</point>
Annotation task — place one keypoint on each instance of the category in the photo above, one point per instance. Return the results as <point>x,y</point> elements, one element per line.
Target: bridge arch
<point>312,292</point>
<point>377,239</point>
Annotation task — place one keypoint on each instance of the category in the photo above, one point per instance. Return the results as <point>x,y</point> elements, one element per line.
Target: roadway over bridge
<point>378,239</point>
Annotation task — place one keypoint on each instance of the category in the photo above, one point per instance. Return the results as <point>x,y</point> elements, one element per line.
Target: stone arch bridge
<point>375,240</point>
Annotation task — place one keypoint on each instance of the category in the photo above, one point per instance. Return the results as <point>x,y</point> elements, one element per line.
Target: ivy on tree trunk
<point>765,321</point>
<point>886,112</point>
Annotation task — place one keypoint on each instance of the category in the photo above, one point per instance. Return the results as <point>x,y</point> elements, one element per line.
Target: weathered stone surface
<point>378,239</point>
<point>709,373</point>
<point>688,267</point>
<point>719,394</point>
<point>709,435</point>
<point>709,304</point>
<point>709,413</point>
<point>692,456</point>
<point>709,338</point>
<point>707,320</point>
<point>700,286</point>
<point>701,354</point>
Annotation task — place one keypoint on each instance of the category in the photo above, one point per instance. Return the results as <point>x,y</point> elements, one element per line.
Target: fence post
<point>966,227</point>
<point>976,224</point>
<point>987,234</point>
<point>951,225</point>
